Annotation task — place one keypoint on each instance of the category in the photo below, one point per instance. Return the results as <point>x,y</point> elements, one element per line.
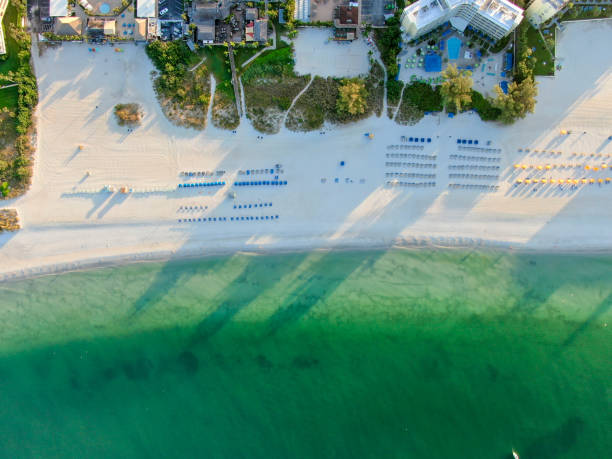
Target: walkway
<point>235,81</point>
<point>198,64</point>
<point>255,56</point>
<point>296,98</point>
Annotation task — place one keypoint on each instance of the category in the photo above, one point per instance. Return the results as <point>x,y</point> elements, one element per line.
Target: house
<point>140,29</point>
<point>72,25</point>
<point>256,30</point>
<point>251,14</point>
<point>110,27</point>
<point>95,27</point>
<point>346,21</point>
<point>204,14</point>
<point>3,5</point>
<point>540,11</point>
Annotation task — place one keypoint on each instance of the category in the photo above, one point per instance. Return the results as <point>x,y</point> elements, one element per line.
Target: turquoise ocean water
<point>387,354</point>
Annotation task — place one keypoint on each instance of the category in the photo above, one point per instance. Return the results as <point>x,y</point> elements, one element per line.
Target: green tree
<point>519,101</point>
<point>352,97</point>
<point>456,90</point>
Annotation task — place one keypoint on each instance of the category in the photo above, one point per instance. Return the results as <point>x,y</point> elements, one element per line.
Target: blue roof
<point>433,63</point>
<point>504,86</point>
<point>509,59</point>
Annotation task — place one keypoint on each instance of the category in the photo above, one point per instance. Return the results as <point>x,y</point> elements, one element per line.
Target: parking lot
<point>373,11</point>
<point>170,9</point>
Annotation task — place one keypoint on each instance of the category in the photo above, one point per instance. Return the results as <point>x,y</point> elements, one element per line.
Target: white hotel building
<point>496,18</point>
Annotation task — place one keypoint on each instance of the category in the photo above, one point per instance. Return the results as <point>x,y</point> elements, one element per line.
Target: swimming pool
<point>104,8</point>
<point>454,45</point>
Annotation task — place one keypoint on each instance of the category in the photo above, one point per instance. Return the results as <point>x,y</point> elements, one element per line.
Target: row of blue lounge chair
<point>261,182</point>
<point>473,176</point>
<point>412,156</point>
<point>417,165</point>
<point>474,158</point>
<point>225,219</point>
<point>472,167</point>
<point>200,184</point>
<point>248,206</point>
<point>467,141</point>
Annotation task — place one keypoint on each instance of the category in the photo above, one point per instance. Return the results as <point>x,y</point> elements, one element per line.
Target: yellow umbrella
<point>517,166</point>
<point>563,132</point>
<point>547,167</point>
<point>575,182</point>
<point>527,181</point>
<point>543,180</point>
<point>539,168</point>
<point>583,180</point>
<point>552,180</point>
<point>592,180</point>
<point>604,166</point>
<point>596,169</point>
<point>600,180</point>
<point>519,181</point>
<point>524,166</point>
<point>587,167</point>
<point>568,181</point>
<point>608,179</point>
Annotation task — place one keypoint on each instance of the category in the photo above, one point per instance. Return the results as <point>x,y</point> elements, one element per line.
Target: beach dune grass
<point>270,85</point>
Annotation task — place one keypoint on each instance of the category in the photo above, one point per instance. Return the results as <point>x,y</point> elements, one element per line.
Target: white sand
<point>315,54</point>
<point>64,231</point>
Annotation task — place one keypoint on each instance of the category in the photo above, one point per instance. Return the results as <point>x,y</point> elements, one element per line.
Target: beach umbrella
<point>563,132</point>
<point>596,169</point>
<point>519,181</point>
<point>583,180</point>
<point>575,182</point>
<point>517,166</point>
<point>552,180</point>
<point>547,167</point>
<point>543,181</point>
<point>539,168</point>
<point>600,180</point>
<point>608,179</point>
<point>524,166</point>
<point>568,181</point>
<point>527,181</point>
<point>592,180</point>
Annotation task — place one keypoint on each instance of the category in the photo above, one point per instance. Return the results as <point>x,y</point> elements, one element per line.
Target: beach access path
<point>69,223</point>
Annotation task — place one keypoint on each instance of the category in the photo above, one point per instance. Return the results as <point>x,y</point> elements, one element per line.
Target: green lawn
<point>11,17</point>
<point>545,63</point>
<point>218,63</point>
<point>241,55</point>
<point>8,97</point>
<point>577,13</point>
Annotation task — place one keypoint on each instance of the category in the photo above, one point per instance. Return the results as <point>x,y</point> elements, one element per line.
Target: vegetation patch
<point>184,95</point>
<point>544,54</point>
<point>9,220</point>
<point>484,107</point>
<point>389,40</point>
<point>17,104</point>
<point>128,114</point>
<point>417,99</point>
<point>270,85</point>
<point>224,111</point>
<point>323,101</point>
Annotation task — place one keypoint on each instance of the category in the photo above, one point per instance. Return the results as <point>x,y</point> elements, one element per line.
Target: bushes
<point>128,114</point>
<point>9,221</point>
<point>484,107</point>
<point>394,91</point>
<point>388,41</point>
<point>423,96</point>
<point>18,126</point>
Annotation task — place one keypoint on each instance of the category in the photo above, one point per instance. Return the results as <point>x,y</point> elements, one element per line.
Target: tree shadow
<point>603,307</point>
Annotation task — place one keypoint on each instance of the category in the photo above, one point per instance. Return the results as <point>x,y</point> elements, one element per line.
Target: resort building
<point>302,10</point>
<point>496,18</point>
<point>140,29</point>
<point>3,5</point>
<point>541,11</point>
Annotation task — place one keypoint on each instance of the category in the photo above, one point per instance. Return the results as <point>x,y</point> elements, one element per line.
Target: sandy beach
<point>68,223</point>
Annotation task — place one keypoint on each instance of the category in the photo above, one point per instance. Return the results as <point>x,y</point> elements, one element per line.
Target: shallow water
<point>424,354</point>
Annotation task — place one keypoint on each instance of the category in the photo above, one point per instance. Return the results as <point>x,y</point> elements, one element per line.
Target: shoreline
<point>117,261</point>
